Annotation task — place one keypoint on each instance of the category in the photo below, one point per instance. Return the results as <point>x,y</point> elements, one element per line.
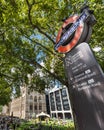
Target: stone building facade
<point>27,105</point>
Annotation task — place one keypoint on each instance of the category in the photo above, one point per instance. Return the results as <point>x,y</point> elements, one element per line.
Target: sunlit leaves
<point>28,29</point>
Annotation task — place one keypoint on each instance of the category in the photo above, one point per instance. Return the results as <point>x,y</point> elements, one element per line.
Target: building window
<point>63,92</point>
<point>39,98</point>
<point>67,115</point>
<point>57,93</point>
<point>59,108</point>
<point>66,107</point>
<point>52,103</point>
<point>40,107</point>
<point>35,107</point>
<point>28,92</point>
<point>31,107</point>
<point>65,101</point>
<point>54,115</point>
<point>60,115</point>
<point>58,101</point>
<point>31,98</point>
<point>35,99</point>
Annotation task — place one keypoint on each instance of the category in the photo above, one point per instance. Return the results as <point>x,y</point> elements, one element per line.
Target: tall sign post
<point>85,76</point>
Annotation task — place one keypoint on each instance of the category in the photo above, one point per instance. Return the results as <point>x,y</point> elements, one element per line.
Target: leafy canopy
<point>28,30</point>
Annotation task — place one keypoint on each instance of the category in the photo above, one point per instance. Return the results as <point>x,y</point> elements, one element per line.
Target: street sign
<point>86,87</point>
<point>75,29</point>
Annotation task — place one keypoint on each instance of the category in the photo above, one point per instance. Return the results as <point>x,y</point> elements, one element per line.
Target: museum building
<point>28,105</point>
<point>55,102</point>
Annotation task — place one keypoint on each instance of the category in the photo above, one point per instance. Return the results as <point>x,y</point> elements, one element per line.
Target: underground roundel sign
<point>72,32</point>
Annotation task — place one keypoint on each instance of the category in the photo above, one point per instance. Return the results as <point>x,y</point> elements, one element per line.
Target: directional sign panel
<point>86,87</point>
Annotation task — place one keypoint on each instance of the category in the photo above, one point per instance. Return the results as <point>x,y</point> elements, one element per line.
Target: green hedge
<point>27,126</point>
<point>47,127</point>
<point>44,126</point>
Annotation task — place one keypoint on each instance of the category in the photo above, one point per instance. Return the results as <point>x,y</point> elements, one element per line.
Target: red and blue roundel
<point>80,34</point>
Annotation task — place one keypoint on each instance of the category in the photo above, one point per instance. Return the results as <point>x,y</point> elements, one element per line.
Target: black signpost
<point>86,88</point>
<point>85,77</point>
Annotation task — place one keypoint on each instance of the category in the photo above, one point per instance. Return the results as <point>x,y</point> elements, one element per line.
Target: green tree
<point>5,92</point>
<point>28,30</point>
<point>0,108</point>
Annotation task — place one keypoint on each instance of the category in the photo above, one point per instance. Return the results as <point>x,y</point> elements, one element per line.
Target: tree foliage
<point>28,30</point>
<point>0,108</point>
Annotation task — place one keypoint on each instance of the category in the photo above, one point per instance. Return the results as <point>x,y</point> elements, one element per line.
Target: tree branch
<point>35,26</point>
<point>33,62</point>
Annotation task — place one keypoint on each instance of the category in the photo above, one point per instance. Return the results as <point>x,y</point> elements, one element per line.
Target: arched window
<point>31,97</point>
<point>40,107</point>
<point>35,99</point>
<point>31,107</point>
<point>39,98</point>
<point>35,107</point>
<point>28,92</point>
